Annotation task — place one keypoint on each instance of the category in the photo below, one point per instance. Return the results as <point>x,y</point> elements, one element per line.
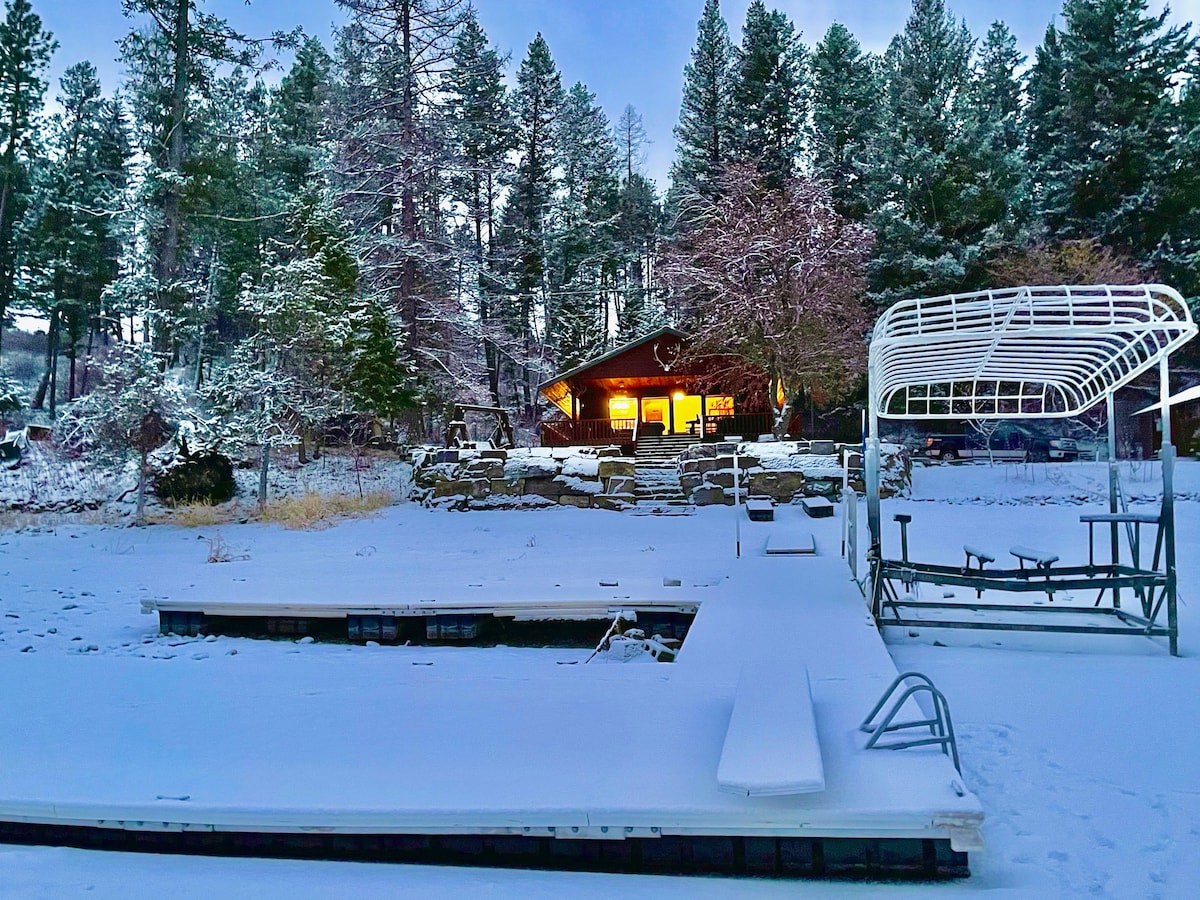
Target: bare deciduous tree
<point>771,280</point>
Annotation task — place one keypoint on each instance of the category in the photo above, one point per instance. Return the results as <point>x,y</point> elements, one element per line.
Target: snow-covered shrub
<point>129,413</point>
<point>198,478</point>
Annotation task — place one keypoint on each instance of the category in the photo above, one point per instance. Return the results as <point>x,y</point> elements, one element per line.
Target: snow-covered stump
<point>581,477</point>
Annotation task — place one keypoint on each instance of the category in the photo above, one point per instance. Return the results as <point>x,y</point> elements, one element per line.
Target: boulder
<point>778,485</point>
<point>822,448</point>
<point>529,466</point>
<point>544,487</point>
<point>452,489</point>
<point>580,501</point>
<point>689,465</point>
<point>614,502</point>
<point>500,487</point>
<point>722,477</point>
<point>494,454</point>
<point>610,467</point>
<point>707,464</point>
<point>581,467</point>
<point>485,468</point>
<point>621,484</point>
<point>689,482</point>
<point>608,451</point>
<point>708,495</point>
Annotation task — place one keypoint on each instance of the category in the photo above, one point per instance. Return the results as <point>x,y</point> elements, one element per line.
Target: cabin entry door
<point>656,410</point>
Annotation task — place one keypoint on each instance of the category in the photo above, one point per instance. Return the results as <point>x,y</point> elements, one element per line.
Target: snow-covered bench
<point>817,507</point>
<point>1041,559</point>
<point>760,509</point>
<point>771,745</point>
<point>974,552</point>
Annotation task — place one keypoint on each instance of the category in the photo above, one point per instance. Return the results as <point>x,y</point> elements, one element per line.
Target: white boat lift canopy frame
<point>1032,352</point>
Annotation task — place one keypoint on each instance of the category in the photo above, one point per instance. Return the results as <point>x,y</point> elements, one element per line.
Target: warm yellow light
<point>679,395</point>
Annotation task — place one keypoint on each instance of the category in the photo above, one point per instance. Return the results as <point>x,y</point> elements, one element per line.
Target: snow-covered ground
<point>1082,751</point>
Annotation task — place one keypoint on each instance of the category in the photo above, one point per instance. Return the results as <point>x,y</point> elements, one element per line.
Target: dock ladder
<point>941,729</point>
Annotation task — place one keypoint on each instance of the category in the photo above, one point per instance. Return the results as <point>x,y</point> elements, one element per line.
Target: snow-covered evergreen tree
<point>845,95</point>
<point>703,132</point>
<point>767,100</point>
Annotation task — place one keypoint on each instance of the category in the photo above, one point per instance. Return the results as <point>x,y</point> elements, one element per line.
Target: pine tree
<point>25,51</point>
<point>638,219</point>
<point>1045,142</point>
<point>1177,256</point>
<point>629,134</point>
<point>702,135</point>
<point>991,163</point>
<point>845,116</point>
<point>1120,63</point>
<point>537,103</point>
<point>300,113</point>
<point>71,252</point>
<point>484,133</point>
<point>919,248</point>
<point>767,98</point>
<point>582,234</point>
<point>172,56</point>
<point>394,177</point>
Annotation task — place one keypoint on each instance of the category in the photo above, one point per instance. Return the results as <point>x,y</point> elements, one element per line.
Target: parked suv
<point>1009,443</point>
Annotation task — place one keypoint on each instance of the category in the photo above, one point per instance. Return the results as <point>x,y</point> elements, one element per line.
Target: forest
<point>264,233</point>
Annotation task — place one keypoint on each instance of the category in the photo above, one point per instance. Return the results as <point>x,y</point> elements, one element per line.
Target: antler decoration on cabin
<point>666,366</point>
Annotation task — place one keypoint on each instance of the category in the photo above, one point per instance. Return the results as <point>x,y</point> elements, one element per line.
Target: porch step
<point>658,483</point>
<point>664,448</point>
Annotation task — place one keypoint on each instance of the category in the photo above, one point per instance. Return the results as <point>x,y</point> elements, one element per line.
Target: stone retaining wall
<point>583,477</point>
<point>784,471</point>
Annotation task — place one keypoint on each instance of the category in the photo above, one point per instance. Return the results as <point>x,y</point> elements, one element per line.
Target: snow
<point>771,745</point>
<point>1080,748</point>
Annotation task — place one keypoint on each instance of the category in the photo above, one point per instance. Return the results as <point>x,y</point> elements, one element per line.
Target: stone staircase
<point>665,448</point>
<point>657,489</point>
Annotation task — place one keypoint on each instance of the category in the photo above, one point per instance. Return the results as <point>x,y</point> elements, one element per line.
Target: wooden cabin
<point>640,389</point>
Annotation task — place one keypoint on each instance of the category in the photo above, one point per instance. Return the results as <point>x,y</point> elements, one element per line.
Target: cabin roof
<point>612,354</point>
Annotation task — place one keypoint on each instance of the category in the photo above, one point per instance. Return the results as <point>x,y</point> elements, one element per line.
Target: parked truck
<point>1008,443</point>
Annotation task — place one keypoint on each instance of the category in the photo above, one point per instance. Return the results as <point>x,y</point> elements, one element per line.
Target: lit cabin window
<point>622,408</point>
<point>718,406</point>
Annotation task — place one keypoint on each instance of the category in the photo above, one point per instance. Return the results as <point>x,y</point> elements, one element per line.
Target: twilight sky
<point>625,51</point>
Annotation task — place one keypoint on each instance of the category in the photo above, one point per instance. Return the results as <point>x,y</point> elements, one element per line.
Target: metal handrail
<point>941,728</point>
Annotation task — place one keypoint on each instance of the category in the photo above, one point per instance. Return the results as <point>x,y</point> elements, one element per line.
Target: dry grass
<point>220,552</point>
<point>202,515</point>
<point>17,519</point>
<point>313,510</point>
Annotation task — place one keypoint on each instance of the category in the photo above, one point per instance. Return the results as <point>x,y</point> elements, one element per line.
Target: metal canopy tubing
<point>1033,352</point>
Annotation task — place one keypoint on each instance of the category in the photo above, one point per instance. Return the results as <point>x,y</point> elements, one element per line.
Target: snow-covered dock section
<point>603,766</point>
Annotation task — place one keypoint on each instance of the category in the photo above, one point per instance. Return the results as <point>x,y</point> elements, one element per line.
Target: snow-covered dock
<point>625,767</point>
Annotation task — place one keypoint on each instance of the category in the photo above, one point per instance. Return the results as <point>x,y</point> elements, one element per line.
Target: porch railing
<point>588,432</point>
<point>748,425</point>
<point>592,432</point>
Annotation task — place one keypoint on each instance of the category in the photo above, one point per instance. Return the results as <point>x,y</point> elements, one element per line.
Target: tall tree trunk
<point>172,224</point>
<point>55,340</point>
<point>39,398</point>
<point>264,466</point>
<point>83,387</point>
<point>141,491</point>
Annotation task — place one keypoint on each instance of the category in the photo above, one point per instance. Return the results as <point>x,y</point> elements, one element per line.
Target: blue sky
<point>626,51</point>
